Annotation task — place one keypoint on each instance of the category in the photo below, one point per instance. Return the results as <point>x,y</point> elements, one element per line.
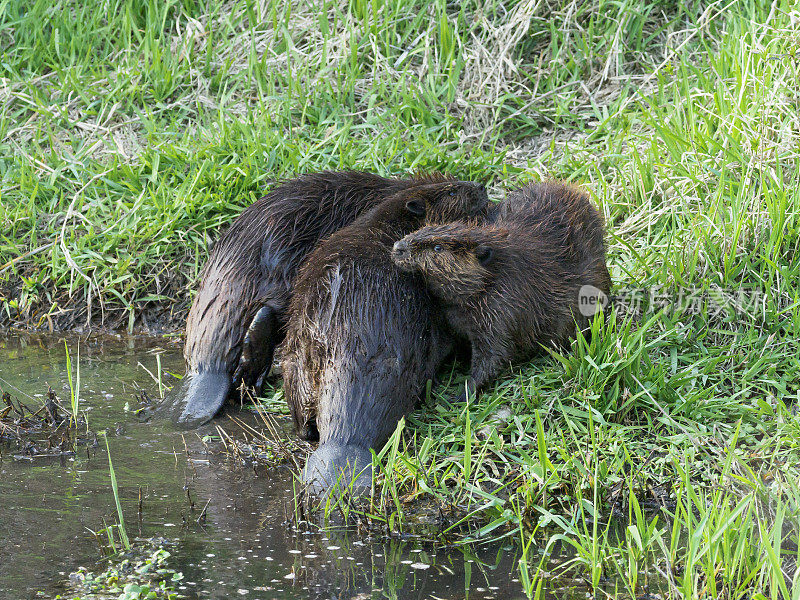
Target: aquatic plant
<point>120,526</point>
<point>74,387</point>
<point>144,576</point>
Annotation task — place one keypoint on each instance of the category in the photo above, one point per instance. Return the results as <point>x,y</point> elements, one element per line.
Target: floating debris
<point>48,431</point>
<point>262,443</point>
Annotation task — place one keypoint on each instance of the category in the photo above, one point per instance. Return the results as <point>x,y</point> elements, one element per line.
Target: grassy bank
<point>132,132</point>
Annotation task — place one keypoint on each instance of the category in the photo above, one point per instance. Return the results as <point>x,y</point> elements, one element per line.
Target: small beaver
<point>520,282</point>
<point>362,337</point>
<point>247,282</point>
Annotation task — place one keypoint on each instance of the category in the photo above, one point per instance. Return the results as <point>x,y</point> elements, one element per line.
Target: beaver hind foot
<point>333,466</point>
<point>258,348</point>
<point>196,399</point>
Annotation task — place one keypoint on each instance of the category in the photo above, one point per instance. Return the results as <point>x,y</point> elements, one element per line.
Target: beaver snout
<point>400,250</point>
<point>401,256</point>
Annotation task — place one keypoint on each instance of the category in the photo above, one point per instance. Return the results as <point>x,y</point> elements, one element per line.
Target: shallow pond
<point>244,548</point>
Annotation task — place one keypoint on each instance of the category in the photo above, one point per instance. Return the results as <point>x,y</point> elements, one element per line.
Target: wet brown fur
<point>512,285</point>
<point>362,338</point>
<point>256,259</point>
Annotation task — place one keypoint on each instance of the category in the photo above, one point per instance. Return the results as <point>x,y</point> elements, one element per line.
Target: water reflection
<point>242,547</point>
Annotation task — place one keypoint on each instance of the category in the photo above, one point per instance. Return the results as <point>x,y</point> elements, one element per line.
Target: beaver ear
<point>416,207</point>
<point>484,254</point>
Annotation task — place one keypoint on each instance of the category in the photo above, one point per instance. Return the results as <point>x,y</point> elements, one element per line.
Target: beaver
<point>238,315</point>
<point>363,338</point>
<point>519,282</point>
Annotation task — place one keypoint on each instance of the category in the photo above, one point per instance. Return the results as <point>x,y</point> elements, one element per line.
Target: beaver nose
<point>400,248</point>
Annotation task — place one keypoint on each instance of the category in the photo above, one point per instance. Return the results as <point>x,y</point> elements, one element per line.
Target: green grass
<point>131,132</point>
<point>74,388</point>
<point>120,526</point>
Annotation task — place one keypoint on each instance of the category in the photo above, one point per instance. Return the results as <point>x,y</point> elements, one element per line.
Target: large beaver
<point>518,283</point>
<point>247,282</point>
<point>362,337</point>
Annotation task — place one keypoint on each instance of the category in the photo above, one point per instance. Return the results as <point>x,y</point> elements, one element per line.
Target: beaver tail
<point>197,398</point>
<point>333,466</point>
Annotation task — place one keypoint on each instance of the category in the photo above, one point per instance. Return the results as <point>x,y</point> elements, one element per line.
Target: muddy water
<point>245,548</point>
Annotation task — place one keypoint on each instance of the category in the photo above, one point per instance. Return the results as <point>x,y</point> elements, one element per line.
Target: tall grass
<point>121,168</point>
<point>158,370</point>
<point>717,545</point>
<point>660,450</point>
<point>728,541</point>
<point>74,387</point>
<point>120,527</point>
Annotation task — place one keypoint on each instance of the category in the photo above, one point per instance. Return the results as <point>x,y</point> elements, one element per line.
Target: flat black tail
<point>196,399</point>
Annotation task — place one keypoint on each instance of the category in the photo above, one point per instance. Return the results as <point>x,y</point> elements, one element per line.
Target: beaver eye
<point>437,248</point>
<point>452,193</point>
